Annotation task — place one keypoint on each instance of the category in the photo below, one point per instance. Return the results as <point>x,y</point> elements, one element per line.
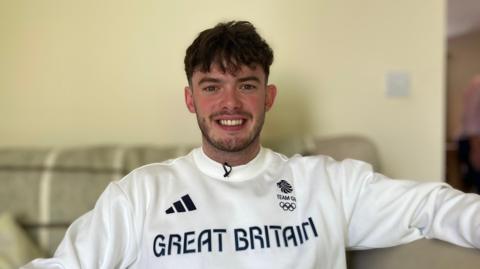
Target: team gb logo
<point>284,186</point>
<point>287,201</point>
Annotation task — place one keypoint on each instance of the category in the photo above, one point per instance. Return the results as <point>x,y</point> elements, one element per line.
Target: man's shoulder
<point>158,169</point>
<point>298,157</point>
<point>318,160</point>
<point>165,165</point>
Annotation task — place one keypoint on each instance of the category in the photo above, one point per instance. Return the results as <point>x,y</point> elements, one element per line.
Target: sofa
<point>44,189</point>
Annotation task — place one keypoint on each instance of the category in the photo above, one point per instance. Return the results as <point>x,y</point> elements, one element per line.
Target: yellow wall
<point>88,72</point>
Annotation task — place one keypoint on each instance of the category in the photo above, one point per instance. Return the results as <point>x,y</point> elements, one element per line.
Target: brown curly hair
<point>229,45</point>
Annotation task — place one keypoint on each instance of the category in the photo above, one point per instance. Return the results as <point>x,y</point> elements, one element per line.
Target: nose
<point>231,99</point>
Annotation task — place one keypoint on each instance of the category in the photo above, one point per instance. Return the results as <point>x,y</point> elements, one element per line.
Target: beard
<point>231,144</point>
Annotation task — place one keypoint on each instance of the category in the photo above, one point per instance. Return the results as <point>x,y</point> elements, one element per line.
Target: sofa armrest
<point>422,253</point>
<point>346,146</point>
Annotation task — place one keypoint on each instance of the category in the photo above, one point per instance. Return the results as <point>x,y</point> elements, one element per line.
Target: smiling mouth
<point>231,122</point>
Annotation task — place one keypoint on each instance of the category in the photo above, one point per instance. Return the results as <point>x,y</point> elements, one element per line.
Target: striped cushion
<point>46,189</point>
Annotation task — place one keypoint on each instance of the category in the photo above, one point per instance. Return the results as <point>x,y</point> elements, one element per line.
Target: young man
<point>233,204</point>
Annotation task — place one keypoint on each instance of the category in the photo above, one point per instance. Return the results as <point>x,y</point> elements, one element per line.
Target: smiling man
<point>228,90</point>
<point>234,204</point>
<point>230,110</point>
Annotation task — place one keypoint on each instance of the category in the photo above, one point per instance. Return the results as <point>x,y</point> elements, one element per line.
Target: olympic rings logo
<point>287,206</point>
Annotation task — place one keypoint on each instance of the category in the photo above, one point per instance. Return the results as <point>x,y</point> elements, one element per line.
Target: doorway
<point>462,64</point>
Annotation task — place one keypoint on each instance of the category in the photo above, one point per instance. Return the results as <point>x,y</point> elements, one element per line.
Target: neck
<point>232,158</point>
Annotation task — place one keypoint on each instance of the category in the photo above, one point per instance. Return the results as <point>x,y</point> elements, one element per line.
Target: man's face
<point>230,108</point>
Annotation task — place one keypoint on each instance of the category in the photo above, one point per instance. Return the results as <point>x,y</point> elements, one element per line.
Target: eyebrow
<point>209,79</point>
<point>249,78</point>
<point>216,80</point>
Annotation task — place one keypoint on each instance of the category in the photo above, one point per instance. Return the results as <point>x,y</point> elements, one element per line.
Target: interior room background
<point>111,72</point>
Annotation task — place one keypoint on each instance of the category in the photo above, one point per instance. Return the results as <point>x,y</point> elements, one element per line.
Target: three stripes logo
<point>183,205</point>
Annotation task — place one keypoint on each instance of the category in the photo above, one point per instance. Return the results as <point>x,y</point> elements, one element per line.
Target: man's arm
<point>386,212</point>
<point>102,238</point>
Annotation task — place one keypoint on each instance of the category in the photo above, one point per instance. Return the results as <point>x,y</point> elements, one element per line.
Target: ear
<point>270,96</point>
<point>189,99</point>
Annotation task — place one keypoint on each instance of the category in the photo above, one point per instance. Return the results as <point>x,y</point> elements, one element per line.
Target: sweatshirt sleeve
<point>102,238</point>
<point>385,212</point>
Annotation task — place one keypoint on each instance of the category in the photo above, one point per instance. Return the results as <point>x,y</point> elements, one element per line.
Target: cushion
<point>16,248</point>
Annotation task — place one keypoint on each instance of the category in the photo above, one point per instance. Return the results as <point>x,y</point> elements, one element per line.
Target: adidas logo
<point>179,207</point>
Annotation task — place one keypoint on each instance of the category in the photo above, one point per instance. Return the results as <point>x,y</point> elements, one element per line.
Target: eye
<point>210,89</point>
<point>248,87</point>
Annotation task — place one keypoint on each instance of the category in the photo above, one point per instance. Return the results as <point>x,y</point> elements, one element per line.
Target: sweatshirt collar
<point>239,173</point>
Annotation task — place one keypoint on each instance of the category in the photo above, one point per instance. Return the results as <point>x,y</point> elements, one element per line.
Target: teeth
<point>231,122</point>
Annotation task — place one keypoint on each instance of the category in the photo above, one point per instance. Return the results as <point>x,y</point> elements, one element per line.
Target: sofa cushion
<point>47,189</point>
<point>16,248</point>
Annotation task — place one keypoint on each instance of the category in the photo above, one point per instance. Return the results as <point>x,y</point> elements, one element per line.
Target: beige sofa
<point>46,189</point>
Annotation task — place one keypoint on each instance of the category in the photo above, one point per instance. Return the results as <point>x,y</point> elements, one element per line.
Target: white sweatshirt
<point>273,212</point>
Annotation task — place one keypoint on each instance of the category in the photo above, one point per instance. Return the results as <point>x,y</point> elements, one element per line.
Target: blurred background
<point>111,72</point>
<point>463,95</point>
